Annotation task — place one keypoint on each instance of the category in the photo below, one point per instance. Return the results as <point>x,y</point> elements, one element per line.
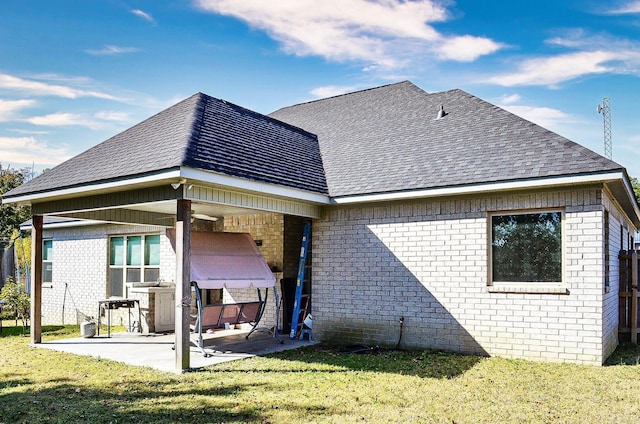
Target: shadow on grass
<point>419,363</point>
<point>46,329</point>
<point>19,330</point>
<point>625,354</point>
<point>72,403</point>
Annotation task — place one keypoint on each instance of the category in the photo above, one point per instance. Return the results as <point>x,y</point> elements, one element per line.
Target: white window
<point>133,259</point>
<point>47,261</point>
<point>526,247</point>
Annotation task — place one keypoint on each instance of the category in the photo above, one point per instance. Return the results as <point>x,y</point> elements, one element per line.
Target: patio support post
<point>183,283</point>
<point>36,279</point>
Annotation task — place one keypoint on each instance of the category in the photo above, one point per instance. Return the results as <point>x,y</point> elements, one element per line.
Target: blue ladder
<point>295,319</point>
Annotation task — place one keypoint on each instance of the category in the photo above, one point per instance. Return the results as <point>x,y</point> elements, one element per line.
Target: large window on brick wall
<point>133,259</point>
<point>526,247</point>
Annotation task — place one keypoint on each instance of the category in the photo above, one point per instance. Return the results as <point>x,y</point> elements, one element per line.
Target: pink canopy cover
<point>229,260</point>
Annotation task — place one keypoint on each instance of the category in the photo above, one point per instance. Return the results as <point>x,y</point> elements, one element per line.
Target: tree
<point>636,187</point>
<point>11,216</point>
<point>17,300</point>
<point>22,245</point>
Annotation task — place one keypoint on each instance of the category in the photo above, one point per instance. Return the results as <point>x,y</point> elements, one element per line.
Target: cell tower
<point>605,110</point>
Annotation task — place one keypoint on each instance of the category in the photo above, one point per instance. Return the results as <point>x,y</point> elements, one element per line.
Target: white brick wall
<point>427,262</point>
<point>79,275</point>
<point>80,271</point>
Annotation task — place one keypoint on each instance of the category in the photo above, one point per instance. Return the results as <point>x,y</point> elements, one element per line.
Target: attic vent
<point>441,113</point>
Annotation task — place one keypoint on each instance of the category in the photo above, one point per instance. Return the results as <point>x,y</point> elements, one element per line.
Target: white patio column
<point>183,283</point>
<point>36,279</point>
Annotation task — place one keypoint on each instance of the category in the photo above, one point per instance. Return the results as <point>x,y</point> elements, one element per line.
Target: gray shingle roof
<point>380,140</point>
<point>200,132</point>
<point>236,141</point>
<point>387,139</point>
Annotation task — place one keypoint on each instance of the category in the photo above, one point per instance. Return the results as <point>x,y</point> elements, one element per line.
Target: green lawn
<point>316,384</point>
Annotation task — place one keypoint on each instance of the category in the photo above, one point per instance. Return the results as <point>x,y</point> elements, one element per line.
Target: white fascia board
<point>69,224</point>
<point>95,187</point>
<point>194,175</point>
<point>482,188</point>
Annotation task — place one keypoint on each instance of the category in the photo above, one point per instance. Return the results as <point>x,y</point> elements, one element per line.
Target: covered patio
<point>156,350</point>
<point>199,161</point>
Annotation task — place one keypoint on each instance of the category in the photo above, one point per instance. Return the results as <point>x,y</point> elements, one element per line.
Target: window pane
<point>116,251</point>
<point>151,275</point>
<point>134,250</point>
<point>47,272</point>
<point>47,249</point>
<point>152,250</point>
<point>115,282</point>
<point>133,275</point>
<point>527,247</point>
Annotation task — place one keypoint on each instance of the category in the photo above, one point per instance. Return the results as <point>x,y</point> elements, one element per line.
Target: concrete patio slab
<point>155,350</point>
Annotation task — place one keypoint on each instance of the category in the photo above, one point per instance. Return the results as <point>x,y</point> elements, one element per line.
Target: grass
<point>314,384</point>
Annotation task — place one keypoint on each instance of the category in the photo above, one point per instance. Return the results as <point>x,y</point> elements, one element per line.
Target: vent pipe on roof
<point>441,112</point>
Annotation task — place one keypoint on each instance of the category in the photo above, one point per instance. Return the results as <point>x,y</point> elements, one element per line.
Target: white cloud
<point>544,116</point>
<point>553,70</point>
<point>631,7</point>
<point>144,15</point>
<point>9,108</point>
<point>39,88</point>
<point>63,120</point>
<point>15,150</point>
<point>552,119</point>
<point>110,50</point>
<point>97,121</point>
<point>509,99</point>
<point>587,55</point>
<point>388,33</point>
<point>466,48</point>
<point>330,90</point>
<point>113,116</point>
<point>29,132</point>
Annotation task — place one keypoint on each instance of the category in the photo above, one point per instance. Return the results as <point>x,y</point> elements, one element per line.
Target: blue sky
<point>75,72</point>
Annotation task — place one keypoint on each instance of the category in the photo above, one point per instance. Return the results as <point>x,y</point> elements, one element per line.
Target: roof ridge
<point>196,124</point>
<point>254,113</point>
<point>349,94</point>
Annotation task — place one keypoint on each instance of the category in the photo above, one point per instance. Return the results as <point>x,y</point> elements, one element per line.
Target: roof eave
<point>276,190</point>
<point>625,194</point>
<point>167,177</point>
<point>98,187</point>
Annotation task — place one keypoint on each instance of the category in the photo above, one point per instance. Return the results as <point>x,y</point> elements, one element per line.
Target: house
<point>439,220</point>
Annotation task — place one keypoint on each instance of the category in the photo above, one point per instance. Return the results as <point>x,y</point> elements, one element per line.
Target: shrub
<point>16,300</point>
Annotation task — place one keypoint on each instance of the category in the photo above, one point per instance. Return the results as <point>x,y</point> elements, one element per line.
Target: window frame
<point>124,266</point>
<point>47,260</point>
<point>552,287</point>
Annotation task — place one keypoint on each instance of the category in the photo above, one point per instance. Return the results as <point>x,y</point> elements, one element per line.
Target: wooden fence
<point>628,295</point>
